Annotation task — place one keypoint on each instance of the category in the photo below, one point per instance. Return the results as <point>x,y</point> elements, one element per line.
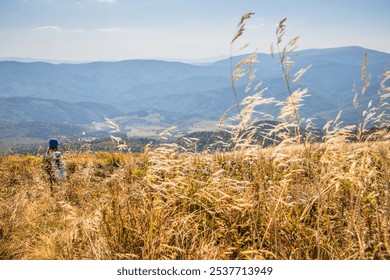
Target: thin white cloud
<point>48,28</point>
<point>56,29</point>
<point>107,1</point>
<point>121,30</point>
<point>74,30</point>
<point>113,30</point>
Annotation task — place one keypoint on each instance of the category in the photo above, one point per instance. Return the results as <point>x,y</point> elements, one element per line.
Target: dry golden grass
<point>295,200</point>
<point>319,202</point>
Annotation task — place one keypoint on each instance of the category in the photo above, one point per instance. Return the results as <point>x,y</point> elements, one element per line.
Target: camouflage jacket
<point>54,166</point>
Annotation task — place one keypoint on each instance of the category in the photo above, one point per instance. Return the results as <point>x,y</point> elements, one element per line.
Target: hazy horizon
<point>200,61</point>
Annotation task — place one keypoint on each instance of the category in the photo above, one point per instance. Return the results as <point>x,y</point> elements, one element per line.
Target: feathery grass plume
<point>167,133</point>
<point>86,146</point>
<point>241,26</point>
<point>292,105</point>
<point>238,72</point>
<point>381,119</point>
<point>112,125</point>
<point>293,122</point>
<point>372,116</point>
<point>190,144</point>
<point>365,79</point>
<point>372,123</point>
<point>246,127</point>
<point>252,125</point>
<point>119,143</point>
<point>336,133</point>
<point>300,73</point>
<point>384,100</point>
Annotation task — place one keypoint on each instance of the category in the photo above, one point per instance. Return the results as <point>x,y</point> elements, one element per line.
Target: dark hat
<point>53,143</point>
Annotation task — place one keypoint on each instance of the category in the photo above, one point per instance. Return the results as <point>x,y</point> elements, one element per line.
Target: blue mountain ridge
<point>178,92</point>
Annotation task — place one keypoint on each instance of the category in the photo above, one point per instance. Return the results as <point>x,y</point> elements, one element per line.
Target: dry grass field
<point>318,202</point>
<point>297,198</point>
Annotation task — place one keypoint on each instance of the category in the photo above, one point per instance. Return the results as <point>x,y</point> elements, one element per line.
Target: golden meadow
<point>298,198</point>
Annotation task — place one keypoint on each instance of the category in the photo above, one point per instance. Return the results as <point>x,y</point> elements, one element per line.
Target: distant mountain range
<point>146,96</point>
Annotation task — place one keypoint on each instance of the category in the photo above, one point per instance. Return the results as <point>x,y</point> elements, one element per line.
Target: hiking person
<point>53,163</point>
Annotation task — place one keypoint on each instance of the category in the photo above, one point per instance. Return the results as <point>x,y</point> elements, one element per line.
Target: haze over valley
<point>144,97</point>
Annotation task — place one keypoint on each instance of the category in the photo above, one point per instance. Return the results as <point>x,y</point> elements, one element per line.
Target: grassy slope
<point>318,202</point>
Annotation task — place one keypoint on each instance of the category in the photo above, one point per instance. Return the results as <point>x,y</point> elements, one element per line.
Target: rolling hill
<point>175,93</point>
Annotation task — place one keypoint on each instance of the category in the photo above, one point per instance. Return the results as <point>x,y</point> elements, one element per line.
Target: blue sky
<point>87,30</point>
